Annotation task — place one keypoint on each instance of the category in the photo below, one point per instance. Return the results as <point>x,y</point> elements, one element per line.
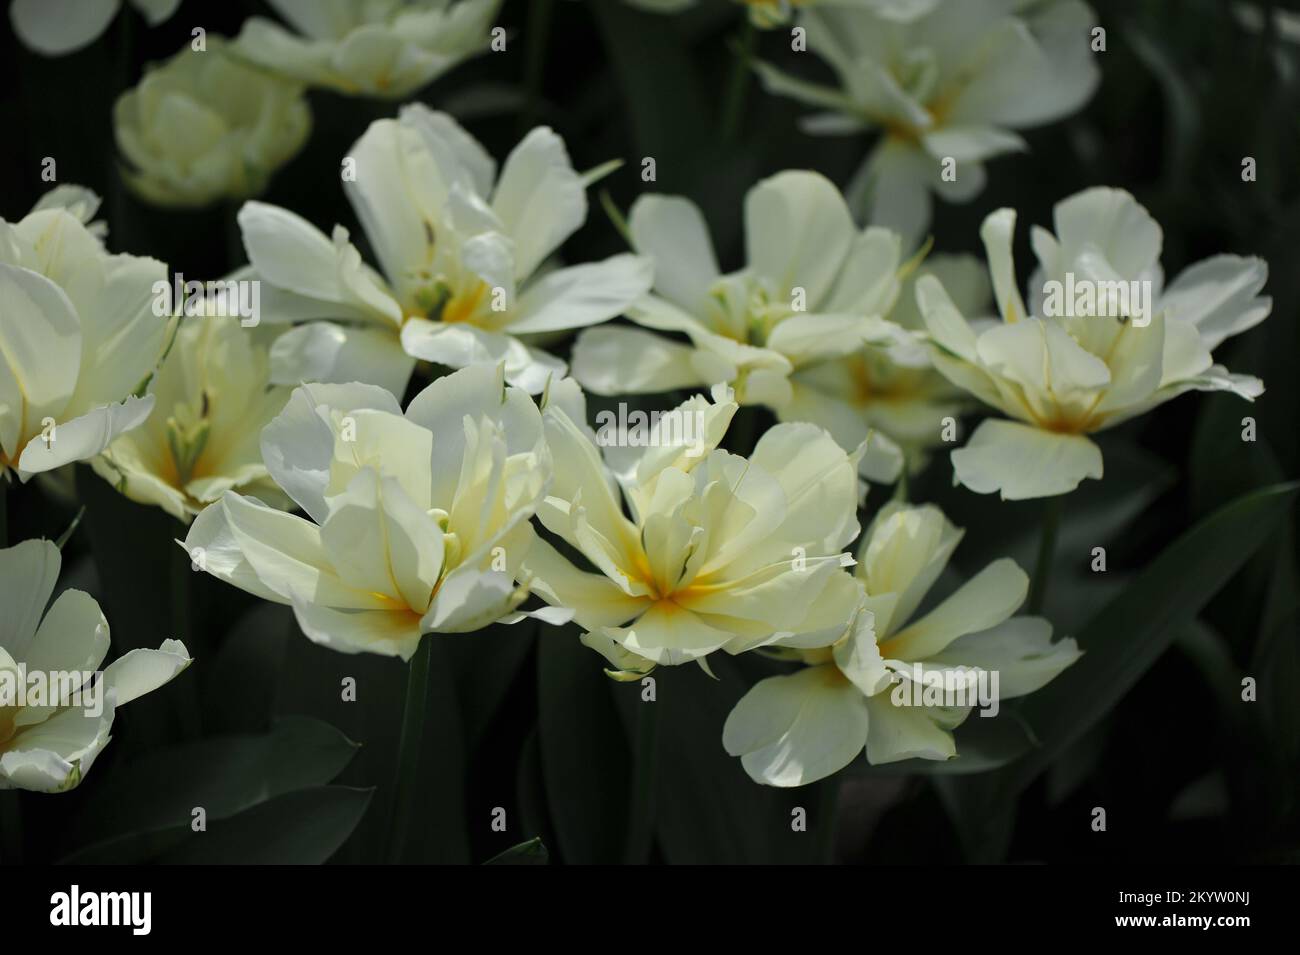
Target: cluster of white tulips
<point>488,498</point>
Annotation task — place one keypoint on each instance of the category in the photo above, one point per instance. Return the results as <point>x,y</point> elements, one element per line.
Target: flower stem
<point>641,820</point>
<point>409,747</point>
<point>1046,550</point>
<point>733,106</point>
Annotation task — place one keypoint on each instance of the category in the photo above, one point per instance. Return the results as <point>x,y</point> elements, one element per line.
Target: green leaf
<point>304,827</point>
<point>147,802</point>
<point>1120,644</point>
<point>532,852</point>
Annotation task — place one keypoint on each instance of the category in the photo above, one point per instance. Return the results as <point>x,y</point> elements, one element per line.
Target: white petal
<point>797,232</point>
<point>796,729</point>
<point>672,232</point>
<point>539,198</point>
<point>1020,461</point>
<point>142,671</point>
<point>28,573</point>
<point>335,354</point>
<point>984,601</point>
<point>582,294</point>
<point>56,27</point>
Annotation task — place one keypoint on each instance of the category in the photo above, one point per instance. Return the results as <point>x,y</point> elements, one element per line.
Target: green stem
<point>1046,551</point>
<point>827,811</point>
<point>409,747</point>
<point>641,821</point>
<point>539,32</point>
<point>733,106</point>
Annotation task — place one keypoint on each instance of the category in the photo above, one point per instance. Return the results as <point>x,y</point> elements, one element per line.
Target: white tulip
<point>945,90</point>
<point>56,27</point>
<point>204,126</point>
<point>78,337</point>
<point>1066,367</point>
<point>715,552</point>
<point>212,398</point>
<point>385,48</point>
<point>461,250</point>
<point>813,290</point>
<point>416,523</point>
<point>50,737</point>
<point>795,729</point>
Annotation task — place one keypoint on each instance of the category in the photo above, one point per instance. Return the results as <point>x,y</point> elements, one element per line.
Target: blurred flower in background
<point>212,397</point>
<point>950,85</point>
<point>49,745</point>
<point>56,27</point>
<point>382,48</point>
<point>78,336</point>
<point>1062,371</point>
<point>204,126</point>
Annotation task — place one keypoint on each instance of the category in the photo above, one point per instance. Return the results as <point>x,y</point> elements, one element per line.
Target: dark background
<point>526,721</point>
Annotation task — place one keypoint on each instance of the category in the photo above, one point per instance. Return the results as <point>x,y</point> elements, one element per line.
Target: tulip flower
<point>78,337</point>
<point>867,690</point>
<point>1074,366</point>
<point>714,552</point>
<point>463,280</point>
<point>212,398</point>
<point>382,48</point>
<point>416,522</point>
<point>945,90</point>
<point>893,389</point>
<point>813,290</point>
<point>204,126</point>
<point>56,706</point>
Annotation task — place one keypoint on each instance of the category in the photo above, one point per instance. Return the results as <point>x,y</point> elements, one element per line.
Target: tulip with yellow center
<point>1062,377</point>
<point>212,398</point>
<point>78,336</point>
<point>416,522</point>
<point>945,85</point>
<point>813,290</point>
<point>48,744</point>
<point>690,549</point>
<point>461,251</point>
<point>794,729</point>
